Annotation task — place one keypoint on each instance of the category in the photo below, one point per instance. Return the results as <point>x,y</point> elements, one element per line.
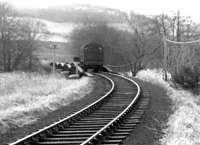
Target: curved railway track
<point>106,121</point>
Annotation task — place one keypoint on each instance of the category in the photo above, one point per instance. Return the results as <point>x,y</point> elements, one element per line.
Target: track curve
<point>106,121</point>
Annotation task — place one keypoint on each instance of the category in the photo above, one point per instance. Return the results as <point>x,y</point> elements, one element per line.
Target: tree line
<point>17,40</point>
<point>142,46</point>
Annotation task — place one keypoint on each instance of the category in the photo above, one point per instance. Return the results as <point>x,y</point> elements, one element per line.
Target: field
<point>183,125</point>
<point>60,32</point>
<point>63,52</point>
<point>25,97</point>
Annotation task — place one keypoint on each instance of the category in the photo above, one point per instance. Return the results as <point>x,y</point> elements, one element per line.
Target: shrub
<point>187,77</point>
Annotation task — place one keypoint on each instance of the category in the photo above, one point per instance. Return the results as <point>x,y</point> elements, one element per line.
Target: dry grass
<point>25,97</point>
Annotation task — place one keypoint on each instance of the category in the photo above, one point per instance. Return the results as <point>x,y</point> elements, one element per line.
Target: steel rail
<point>94,137</point>
<point>37,134</point>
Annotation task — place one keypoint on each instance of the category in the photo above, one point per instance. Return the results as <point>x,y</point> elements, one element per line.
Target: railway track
<point>107,121</point>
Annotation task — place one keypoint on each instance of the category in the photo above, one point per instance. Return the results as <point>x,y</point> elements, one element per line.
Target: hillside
<point>75,14</point>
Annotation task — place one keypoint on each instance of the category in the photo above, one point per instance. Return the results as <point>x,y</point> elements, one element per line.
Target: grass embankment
<point>25,97</point>
<point>173,117</point>
<point>100,87</point>
<point>149,131</point>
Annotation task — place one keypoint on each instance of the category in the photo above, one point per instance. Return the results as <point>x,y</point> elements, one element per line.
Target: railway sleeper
<point>138,114</point>
<point>138,111</point>
<point>124,130</point>
<point>86,125</point>
<point>65,138</point>
<point>124,101</point>
<point>126,92</point>
<point>122,96</point>
<point>76,131</point>
<point>136,120</point>
<point>127,126</point>
<point>112,141</point>
<point>110,108</point>
<point>116,137</point>
<point>72,135</point>
<point>117,133</point>
<point>116,101</point>
<point>59,143</point>
<point>81,129</point>
<point>118,104</point>
<point>90,122</point>
<point>96,118</point>
<point>101,116</point>
<point>106,113</point>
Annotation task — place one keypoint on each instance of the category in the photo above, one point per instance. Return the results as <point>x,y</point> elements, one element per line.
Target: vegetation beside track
<point>100,87</point>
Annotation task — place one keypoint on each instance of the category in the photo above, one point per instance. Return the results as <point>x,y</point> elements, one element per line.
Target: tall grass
<point>25,97</point>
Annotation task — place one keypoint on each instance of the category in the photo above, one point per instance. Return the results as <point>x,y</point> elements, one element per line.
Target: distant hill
<point>76,14</point>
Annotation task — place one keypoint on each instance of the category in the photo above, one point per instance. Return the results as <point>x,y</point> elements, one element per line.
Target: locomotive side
<point>92,56</point>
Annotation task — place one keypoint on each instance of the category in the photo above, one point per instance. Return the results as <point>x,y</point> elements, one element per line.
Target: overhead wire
<point>187,42</point>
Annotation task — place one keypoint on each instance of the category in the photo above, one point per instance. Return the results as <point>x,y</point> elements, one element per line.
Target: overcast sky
<point>147,7</point>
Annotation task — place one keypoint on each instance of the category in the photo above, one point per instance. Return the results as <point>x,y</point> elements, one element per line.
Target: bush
<point>187,77</point>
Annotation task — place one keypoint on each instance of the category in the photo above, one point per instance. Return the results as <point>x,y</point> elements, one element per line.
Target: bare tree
<point>177,28</point>
<point>145,42</point>
<point>17,39</point>
<point>30,31</point>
